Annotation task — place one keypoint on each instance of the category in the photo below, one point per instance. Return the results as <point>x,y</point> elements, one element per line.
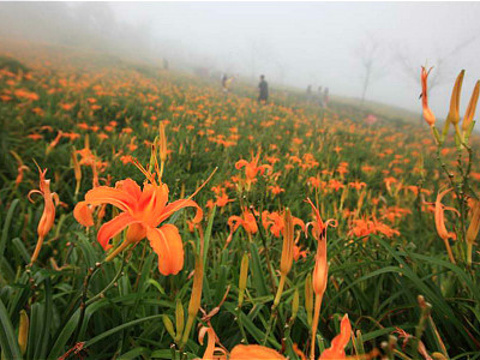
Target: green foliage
<point>80,305</point>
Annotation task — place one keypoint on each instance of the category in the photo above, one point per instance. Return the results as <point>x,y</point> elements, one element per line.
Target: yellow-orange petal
<point>136,232</point>
<point>107,195</point>
<point>257,352</point>
<point>167,244</point>
<point>428,116</point>
<point>48,216</point>
<point>83,214</point>
<point>129,186</point>
<point>208,355</point>
<point>320,273</point>
<point>173,207</point>
<point>114,227</point>
<point>241,163</point>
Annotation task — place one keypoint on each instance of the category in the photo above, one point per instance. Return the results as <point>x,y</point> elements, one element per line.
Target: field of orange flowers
<point>146,215</point>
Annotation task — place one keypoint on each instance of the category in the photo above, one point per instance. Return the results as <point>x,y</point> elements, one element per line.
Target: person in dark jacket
<point>263,88</point>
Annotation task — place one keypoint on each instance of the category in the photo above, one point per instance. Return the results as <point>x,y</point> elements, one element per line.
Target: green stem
<point>118,250</point>
<point>240,325</point>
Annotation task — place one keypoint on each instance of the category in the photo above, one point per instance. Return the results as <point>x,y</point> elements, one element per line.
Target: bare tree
<point>442,62</point>
<point>371,56</point>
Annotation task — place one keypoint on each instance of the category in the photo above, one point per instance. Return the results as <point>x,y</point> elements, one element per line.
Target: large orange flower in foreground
<point>143,210</point>
<point>239,352</point>
<point>257,352</point>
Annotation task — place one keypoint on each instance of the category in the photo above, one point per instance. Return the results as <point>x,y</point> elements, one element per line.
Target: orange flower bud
<point>77,170</point>
<point>23,329</point>
<point>472,106</point>
<point>163,142</point>
<point>242,283</point>
<point>288,243</point>
<point>453,114</point>
<point>473,229</point>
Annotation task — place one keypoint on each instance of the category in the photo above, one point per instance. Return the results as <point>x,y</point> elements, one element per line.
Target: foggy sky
<point>318,43</point>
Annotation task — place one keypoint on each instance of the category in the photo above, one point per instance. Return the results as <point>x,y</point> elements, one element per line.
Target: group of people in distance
<point>322,96</point>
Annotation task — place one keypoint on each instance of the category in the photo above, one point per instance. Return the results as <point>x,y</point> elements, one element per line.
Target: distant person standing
<point>320,96</point>
<point>263,89</point>
<point>225,84</point>
<point>326,97</point>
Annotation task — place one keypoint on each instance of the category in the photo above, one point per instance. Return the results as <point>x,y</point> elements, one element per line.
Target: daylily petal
<point>129,186</point>
<point>113,228</point>
<point>439,215</point>
<point>257,352</point>
<point>241,163</point>
<point>83,214</point>
<point>167,243</point>
<point>208,355</point>
<point>48,215</point>
<point>339,342</point>
<point>152,202</point>
<point>180,204</point>
<point>107,195</point>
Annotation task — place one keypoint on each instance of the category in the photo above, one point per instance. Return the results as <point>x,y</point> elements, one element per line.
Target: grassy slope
<point>375,279</point>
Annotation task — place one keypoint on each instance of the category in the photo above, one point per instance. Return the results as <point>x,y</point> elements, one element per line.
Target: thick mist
<point>371,50</point>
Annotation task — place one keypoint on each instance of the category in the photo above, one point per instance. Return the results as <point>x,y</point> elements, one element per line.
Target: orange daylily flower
<point>223,200</point>
<point>337,350</point>
<point>239,352</point>
<point>35,136</point>
<point>25,94</point>
<point>320,272</point>
<point>48,216</point>
<point>427,112</point>
<point>257,352</point>
<point>252,169</point>
<point>276,222</point>
<point>55,142</point>
<point>442,231</point>
<point>276,190</point>
<point>247,221</point>
<point>143,210</point>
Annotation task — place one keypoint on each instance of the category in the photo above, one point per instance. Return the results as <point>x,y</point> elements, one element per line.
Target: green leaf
<point>8,340</point>
<point>120,328</point>
<point>62,339</point>
<point>134,353</point>
<point>207,236</point>
<point>6,227</point>
<point>257,274</point>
